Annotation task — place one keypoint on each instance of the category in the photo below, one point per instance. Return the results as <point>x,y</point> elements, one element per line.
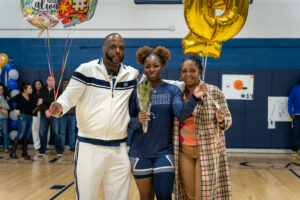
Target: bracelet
<point>223,122</point>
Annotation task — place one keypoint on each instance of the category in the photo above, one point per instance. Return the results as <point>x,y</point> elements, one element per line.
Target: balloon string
<point>205,66</point>
<point>216,160</point>
<point>48,59</point>
<point>204,63</point>
<point>61,72</point>
<point>64,63</point>
<point>216,166</point>
<point>51,62</point>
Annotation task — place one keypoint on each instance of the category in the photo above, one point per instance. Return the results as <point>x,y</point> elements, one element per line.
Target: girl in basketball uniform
<point>151,153</point>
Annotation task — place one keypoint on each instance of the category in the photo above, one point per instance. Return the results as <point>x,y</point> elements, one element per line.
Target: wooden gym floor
<point>253,177</point>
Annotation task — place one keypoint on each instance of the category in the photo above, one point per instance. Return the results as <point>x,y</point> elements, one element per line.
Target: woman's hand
<point>40,101</point>
<point>143,116</point>
<point>292,116</point>
<point>18,112</point>
<point>220,115</point>
<point>200,90</point>
<point>47,114</point>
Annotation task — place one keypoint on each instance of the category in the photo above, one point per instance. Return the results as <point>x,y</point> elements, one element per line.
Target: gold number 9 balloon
<point>208,31</point>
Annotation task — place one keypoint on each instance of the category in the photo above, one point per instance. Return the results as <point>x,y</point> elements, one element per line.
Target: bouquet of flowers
<point>145,98</point>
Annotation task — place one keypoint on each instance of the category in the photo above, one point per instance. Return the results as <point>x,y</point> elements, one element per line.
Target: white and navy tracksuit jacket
<point>102,114</point>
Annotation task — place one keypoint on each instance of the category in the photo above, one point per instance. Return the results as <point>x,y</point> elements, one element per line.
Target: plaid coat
<point>212,187</point>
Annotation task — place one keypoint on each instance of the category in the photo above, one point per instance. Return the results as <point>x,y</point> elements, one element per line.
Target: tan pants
<point>190,171</point>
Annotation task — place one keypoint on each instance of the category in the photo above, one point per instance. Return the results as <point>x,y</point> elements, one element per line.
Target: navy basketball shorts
<point>146,167</point>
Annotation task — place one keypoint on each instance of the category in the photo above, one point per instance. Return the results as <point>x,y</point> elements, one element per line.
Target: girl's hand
<point>143,116</point>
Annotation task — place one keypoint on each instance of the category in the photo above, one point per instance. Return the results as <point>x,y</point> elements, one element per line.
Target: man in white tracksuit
<point>100,90</point>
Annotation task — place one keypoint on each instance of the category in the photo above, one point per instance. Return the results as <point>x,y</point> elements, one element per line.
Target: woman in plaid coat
<point>201,167</point>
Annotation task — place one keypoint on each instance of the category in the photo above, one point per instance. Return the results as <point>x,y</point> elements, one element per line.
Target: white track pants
<point>96,164</point>
<point>35,130</point>
<point>36,121</point>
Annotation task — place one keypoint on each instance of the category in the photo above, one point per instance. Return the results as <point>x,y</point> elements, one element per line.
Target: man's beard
<point>110,59</point>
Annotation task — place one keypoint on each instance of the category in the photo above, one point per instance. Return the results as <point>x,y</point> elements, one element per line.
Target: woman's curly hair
<point>143,52</point>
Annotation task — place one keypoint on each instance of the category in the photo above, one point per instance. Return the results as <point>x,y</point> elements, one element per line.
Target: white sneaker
<point>41,154</point>
<point>59,155</point>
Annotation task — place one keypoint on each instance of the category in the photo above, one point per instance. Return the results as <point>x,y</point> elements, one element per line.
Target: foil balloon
<point>42,21</point>
<point>232,20</point>
<point>65,9</point>
<point>194,45</point>
<point>208,29</point>
<point>74,12</point>
<point>40,13</point>
<point>219,4</point>
<point>92,8</point>
<point>3,59</point>
<point>199,17</point>
<point>40,6</point>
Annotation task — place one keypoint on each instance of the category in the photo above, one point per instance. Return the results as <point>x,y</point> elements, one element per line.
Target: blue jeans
<point>67,122</point>
<point>53,122</point>
<point>296,134</point>
<point>4,127</point>
<point>24,126</point>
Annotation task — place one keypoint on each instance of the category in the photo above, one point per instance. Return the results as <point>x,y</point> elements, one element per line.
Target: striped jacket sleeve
<point>75,89</point>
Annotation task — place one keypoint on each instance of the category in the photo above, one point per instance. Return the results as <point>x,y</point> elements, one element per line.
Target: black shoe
<point>13,155</point>
<point>26,156</point>
<point>41,154</point>
<point>72,149</point>
<point>25,147</point>
<point>13,149</point>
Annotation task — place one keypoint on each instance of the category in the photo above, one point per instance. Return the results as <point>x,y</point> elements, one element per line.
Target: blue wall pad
<point>273,62</point>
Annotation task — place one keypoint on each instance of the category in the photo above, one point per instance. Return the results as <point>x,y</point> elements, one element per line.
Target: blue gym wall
<point>273,62</point>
